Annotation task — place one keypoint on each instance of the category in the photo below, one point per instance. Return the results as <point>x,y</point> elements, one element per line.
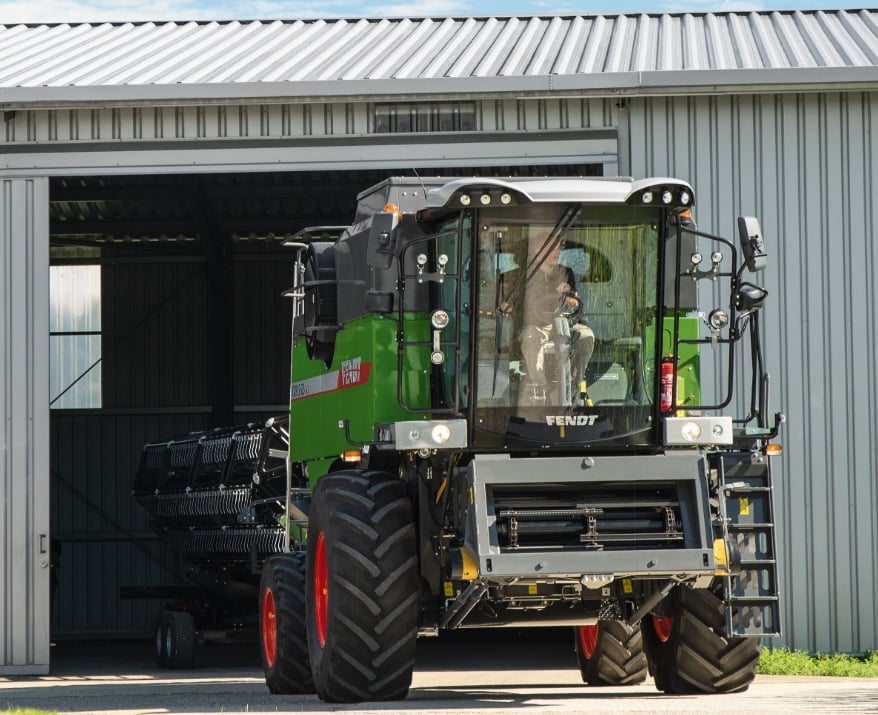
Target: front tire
<point>363,587</point>
<point>688,651</point>
<point>283,641</point>
<point>610,653</point>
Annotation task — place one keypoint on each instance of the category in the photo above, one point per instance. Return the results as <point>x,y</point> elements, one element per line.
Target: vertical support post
<point>217,249</point>
<point>24,426</point>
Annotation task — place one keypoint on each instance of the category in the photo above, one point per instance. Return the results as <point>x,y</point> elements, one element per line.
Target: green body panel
<point>688,359</point>
<point>688,363</point>
<point>360,386</point>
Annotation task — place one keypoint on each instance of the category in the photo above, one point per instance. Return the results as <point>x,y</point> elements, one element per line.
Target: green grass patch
<point>26,711</point>
<point>780,661</point>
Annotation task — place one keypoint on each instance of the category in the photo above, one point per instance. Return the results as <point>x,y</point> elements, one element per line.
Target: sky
<point>14,11</point>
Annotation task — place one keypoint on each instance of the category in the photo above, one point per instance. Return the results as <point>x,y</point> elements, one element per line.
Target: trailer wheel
<point>688,651</point>
<point>282,639</point>
<point>610,653</point>
<point>363,587</point>
<point>177,649</point>
<point>161,655</point>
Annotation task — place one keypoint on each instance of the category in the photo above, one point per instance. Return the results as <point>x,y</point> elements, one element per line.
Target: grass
<point>781,661</point>
<point>27,711</point>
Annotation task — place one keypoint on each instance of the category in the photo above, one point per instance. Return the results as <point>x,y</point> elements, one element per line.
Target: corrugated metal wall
<point>156,139</point>
<point>284,120</point>
<point>102,537</point>
<point>806,164</point>
<point>24,426</point>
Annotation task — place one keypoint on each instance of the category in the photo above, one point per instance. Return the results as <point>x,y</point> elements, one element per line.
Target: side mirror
<point>750,297</point>
<point>382,241</point>
<point>752,244</point>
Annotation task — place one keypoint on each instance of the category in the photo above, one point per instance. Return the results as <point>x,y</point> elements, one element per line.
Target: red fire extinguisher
<point>667,399</point>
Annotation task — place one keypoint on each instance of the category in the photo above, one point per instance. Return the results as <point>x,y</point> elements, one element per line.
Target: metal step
<point>753,598</point>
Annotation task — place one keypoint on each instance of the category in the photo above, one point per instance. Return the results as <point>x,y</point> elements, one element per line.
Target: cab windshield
<point>559,311</point>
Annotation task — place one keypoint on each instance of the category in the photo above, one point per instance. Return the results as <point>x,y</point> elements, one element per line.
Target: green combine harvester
<point>496,420</point>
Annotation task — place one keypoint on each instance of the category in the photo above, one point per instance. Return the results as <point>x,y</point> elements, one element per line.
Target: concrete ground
<point>517,673</point>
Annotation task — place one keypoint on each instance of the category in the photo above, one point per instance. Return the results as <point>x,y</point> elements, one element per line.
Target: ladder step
<point>753,618</point>
<point>754,599</point>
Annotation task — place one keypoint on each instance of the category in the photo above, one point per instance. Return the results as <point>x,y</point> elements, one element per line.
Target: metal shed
<point>175,156</point>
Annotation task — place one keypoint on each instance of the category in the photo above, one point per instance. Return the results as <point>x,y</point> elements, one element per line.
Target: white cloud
<point>35,11</point>
<point>428,8</point>
<point>13,11</point>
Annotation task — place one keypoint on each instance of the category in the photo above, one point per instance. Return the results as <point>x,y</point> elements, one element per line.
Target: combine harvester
<point>463,452</point>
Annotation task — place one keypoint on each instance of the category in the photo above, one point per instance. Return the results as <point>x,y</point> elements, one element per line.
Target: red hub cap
<point>321,589</point>
<point>269,628</point>
<point>662,626</point>
<point>588,640</point>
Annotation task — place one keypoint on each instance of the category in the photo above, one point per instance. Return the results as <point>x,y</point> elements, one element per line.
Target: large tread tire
<point>610,653</point>
<point>697,656</point>
<point>363,592</point>
<point>283,641</point>
<point>178,629</point>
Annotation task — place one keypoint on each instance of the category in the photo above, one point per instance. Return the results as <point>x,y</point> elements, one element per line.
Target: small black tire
<point>161,654</point>
<point>363,593</point>
<point>610,653</point>
<point>688,651</point>
<point>178,628</point>
<point>283,643</point>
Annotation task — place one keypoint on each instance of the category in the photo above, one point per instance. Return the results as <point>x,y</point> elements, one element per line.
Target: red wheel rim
<point>588,640</point>
<point>269,628</point>
<point>321,589</point>
<point>662,626</point>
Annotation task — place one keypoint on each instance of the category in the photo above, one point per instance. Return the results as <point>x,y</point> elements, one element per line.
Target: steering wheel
<point>570,307</point>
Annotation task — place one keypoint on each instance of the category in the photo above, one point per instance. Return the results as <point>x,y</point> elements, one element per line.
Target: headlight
<point>691,431</point>
<point>465,200</point>
<point>440,319</point>
<point>718,319</point>
<point>441,433</point>
<point>647,197</point>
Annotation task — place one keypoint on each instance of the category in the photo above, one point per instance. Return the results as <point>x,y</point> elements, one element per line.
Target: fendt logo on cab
<point>571,420</point>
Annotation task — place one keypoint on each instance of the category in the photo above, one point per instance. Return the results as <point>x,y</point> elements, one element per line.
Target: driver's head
<point>536,246</point>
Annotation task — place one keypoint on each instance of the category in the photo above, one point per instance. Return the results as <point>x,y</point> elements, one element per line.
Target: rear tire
<point>363,587</point>
<point>178,630</point>
<point>610,653</point>
<point>690,653</point>
<point>283,642</point>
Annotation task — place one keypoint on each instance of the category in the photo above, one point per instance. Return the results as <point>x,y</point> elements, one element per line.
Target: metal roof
<point>349,57</point>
